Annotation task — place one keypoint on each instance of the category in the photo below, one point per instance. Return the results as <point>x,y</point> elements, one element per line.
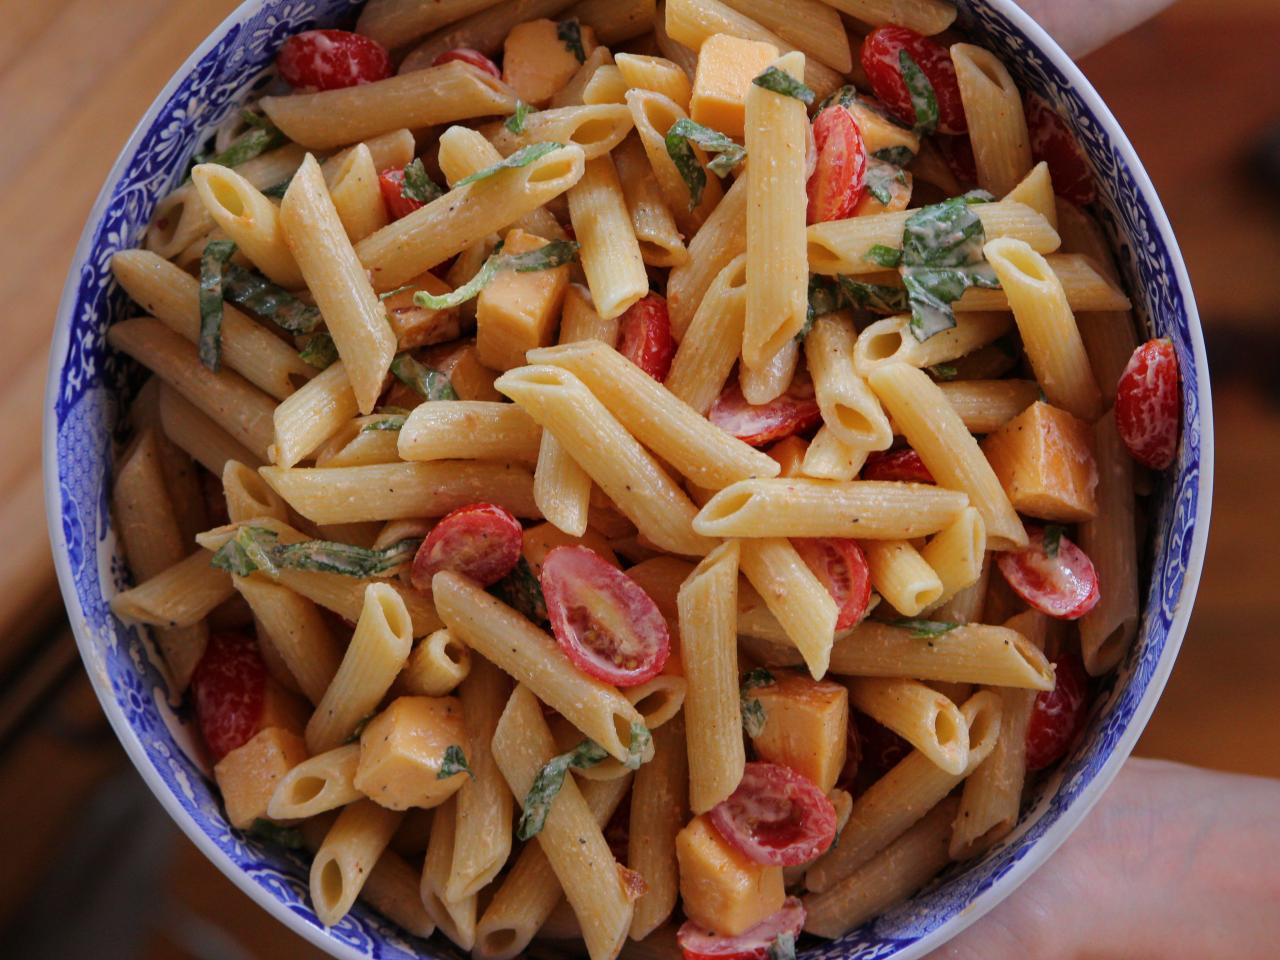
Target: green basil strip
<point>454,761</point>
<point>328,556</point>
<point>521,158</point>
<point>388,294</point>
<point>899,156</point>
<point>759,677</point>
<point>779,81</point>
<point>923,99</point>
<point>874,297</point>
<point>250,290</point>
<point>263,137</point>
<point>753,712</point>
<point>359,729</point>
<point>319,351</point>
<point>641,743</point>
<point>881,176</point>
<point>941,258</point>
<point>278,190</point>
<point>944,371</point>
<point>882,256</point>
<point>247,552</point>
<point>842,97</point>
<point>428,383</point>
<point>1053,539</point>
<point>212,267</point>
<point>515,122</point>
<point>521,591</point>
<point>924,629</point>
<point>547,257</point>
<point>417,185</point>
<point>392,424</point>
<point>549,780</point>
<point>268,832</point>
<point>569,32</point>
<point>683,133</point>
<point>783,948</point>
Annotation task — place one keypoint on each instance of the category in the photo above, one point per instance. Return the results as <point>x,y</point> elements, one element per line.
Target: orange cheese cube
<point>1045,461</point>
<point>721,889</point>
<point>416,326</point>
<point>402,752</point>
<point>536,63</point>
<point>806,726</point>
<point>790,455</point>
<point>283,709</point>
<point>726,67</point>
<point>471,380</point>
<point>247,776</point>
<point>518,311</point>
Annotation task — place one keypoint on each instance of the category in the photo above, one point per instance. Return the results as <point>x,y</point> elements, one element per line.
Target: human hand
<point>1081,26</point>
<point>1172,863</point>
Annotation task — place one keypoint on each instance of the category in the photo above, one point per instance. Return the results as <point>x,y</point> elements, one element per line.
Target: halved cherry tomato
<point>481,541</point>
<point>1053,143</point>
<point>904,465</point>
<point>609,627</point>
<point>644,336</point>
<point>883,66</point>
<point>1064,586</point>
<point>793,412</point>
<point>842,567</point>
<point>391,183</point>
<point>958,154</point>
<point>473,57</point>
<point>839,177</point>
<point>331,59</point>
<point>229,684</point>
<point>1057,714</point>
<point>776,816</point>
<point>698,943</point>
<point>1147,404</point>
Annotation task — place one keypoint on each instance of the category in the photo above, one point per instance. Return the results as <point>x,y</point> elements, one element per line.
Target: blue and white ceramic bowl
<point>88,386</point>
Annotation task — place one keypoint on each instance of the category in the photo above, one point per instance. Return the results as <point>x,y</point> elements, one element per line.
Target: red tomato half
<point>883,66</point>
<point>698,943</point>
<point>1057,714</point>
<point>1053,143</point>
<point>229,684</point>
<point>481,541</point>
<point>609,627</point>
<point>1147,404</point>
<point>840,174</point>
<point>391,183</point>
<point>904,465</point>
<point>473,57</point>
<point>842,567</point>
<point>1063,586</point>
<point>644,336</point>
<point>793,412</point>
<point>776,816</point>
<point>330,59</point>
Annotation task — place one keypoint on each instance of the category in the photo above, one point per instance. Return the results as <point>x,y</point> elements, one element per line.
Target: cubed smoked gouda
<point>726,67</point>
<point>1045,460</point>
<point>247,776</point>
<point>720,888</point>
<point>283,709</point>
<point>416,326</point>
<point>518,311</point>
<point>402,751</point>
<point>536,62</point>
<point>806,726</point>
<point>470,379</point>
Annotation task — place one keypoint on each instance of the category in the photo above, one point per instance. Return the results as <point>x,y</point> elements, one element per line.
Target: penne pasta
<point>470,430</point>
<point>313,414</point>
<point>901,576</point>
<point>344,861</point>
<point>997,125</point>
<point>317,785</point>
<point>609,250</point>
<point>706,354</point>
<point>661,244</point>
<point>850,411</point>
<point>658,810</point>
<point>794,596</point>
<point>923,717</point>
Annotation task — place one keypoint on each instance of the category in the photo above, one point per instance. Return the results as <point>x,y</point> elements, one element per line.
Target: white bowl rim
<point>1040,851</point>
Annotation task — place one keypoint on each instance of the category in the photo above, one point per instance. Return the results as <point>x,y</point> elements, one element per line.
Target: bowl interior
<point>88,388</point>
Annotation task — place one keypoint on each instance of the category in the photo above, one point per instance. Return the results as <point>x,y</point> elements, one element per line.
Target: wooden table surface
<point>1195,90</point>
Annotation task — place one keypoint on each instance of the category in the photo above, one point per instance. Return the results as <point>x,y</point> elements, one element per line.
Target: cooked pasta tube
<point>248,496</point>
<point>923,16</point>
<point>1036,191</point>
<point>899,799</point>
<point>657,74</point>
<point>658,810</point>
<point>357,195</point>
<point>435,666</point>
<point>455,918</point>
<point>606,86</point>
<point>967,605</point>
<point>179,596</point>
<point>985,406</point>
<point>765,384</point>
<point>469,430</point>
<point>707,353</point>
<point>891,341</point>
<point>1086,288</point>
<point>317,785</point>
<point>596,128</point>
<point>298,632</point>
<point>249,219</point>
<point>350,849</point>
<point>661,244</point>
<point>491,628</point>
<point>997,124</point>
<point>572,94</point>
<point>800,507</point>
<point>615,21</point>
<point>850,411</point>
<point>627,473</point>
<point>610,252</point>
<point>830,458</point>
<point>394,23</point>
<point>196,435</point>
<point>361,442</point>
<point>901,576</point>
<point>464,151</point>
<point>313,414</point>
<point>920,715</point>
<point>654,115</point>
<point>483,30</point>
<point>956,553</point>
<point>794,596</point>
<point>721,238</point>
<point>659,700</point>
<point>375,656</point>
<point>708,605</point>
<point>396,490</point>
<point>570,837</point>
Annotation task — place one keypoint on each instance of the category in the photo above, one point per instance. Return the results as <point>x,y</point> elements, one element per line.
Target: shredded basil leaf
<point>417,185</point>
<point>428,383</point>
<point>759,677</point>
<point>521,591</point>
<point>521,158</point>
<point>783,948</point>
<point>882,256</point>
<point>278,190</point>
<point>256,548</point>
<point>547,784</point>
<point>515,122</point>
<point>359,729</point>
<point>212,268</point>
<point>251,291</point>
<point>899,156</point>
<point>547,257</point>
<point>391,424</point>
<point>873,297</point>
<point>319,351</point>
<point>683,133</point>
<point>753,712</point>
<point>923,99</point>
<point>641,743</point>
<point>924,629</point>
<point>569,32</point>
<point>779,81</point>
<point>273,833</point>
<point>1053,539</point>
<point>454,761</point>
<point>880,178</point>
<point>246,552</point>
<point>824,298</point>
<point>944,371</point>
<point>941,258</point>
<point>842,97</point>
<point>264,136</point>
